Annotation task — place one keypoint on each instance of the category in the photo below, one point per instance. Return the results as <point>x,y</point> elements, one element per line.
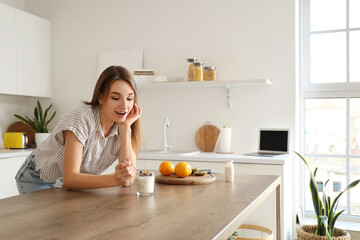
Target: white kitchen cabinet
<point>33,41</point>
<point>7,50</point>
<point>8,169</point>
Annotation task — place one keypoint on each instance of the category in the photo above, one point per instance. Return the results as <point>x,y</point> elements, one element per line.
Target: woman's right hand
<point>125,173</point>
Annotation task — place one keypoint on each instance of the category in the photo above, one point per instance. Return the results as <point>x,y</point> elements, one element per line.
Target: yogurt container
<point>145,184</point>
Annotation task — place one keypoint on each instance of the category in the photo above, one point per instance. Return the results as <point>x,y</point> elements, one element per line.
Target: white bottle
<point>229,171</point>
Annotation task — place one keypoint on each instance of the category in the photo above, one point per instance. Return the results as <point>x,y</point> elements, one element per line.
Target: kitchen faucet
<point>166,146</point>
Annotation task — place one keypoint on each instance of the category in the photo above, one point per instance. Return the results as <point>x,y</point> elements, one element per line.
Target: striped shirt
<point>99,152</point>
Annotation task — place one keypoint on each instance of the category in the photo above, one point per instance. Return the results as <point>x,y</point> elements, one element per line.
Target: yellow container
<point>198,71</point>
<point>15,140</point>
<point>190,72</point>
<point>209,73</point>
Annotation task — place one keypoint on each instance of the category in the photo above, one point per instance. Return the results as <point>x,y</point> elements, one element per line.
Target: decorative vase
<point>306,232</point>
<point>40,138</point>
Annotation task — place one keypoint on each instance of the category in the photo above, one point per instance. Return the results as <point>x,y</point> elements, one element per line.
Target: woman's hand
<point>134,115</point>
<point>125,173</point>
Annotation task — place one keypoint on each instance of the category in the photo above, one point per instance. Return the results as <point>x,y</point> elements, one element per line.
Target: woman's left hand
<point>134,115</point>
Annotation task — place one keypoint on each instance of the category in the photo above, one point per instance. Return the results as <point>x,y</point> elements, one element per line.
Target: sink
<point>176,152</point>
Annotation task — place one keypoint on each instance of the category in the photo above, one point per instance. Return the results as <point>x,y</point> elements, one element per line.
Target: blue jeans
<point>27,179</point>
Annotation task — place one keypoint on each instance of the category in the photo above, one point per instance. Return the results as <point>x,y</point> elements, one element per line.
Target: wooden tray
<point>190,180</point>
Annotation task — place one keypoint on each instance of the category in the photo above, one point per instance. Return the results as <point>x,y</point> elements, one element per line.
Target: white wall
<point>243,39</point>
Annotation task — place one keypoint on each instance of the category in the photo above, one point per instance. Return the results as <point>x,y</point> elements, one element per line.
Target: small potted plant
<point>39,122</point>
<point>325,211</point>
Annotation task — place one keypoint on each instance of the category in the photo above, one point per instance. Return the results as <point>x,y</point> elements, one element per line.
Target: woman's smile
<point>121,114</point>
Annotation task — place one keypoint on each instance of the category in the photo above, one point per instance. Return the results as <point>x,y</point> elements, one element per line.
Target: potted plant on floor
<point>39,122</point>
<point>325,211</point>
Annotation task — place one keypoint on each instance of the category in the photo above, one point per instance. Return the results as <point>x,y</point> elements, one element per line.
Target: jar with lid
<point>229,171</point>
<point>198,71</point>
<point>190,72</point>
<point>209,73</point>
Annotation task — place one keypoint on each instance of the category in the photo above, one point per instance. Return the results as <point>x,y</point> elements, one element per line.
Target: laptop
<point>272,142</point>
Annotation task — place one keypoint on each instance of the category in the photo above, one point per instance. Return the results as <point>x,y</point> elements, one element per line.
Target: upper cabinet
<point>7,50</point>
<point>33,41</point>
<point>27,61</point>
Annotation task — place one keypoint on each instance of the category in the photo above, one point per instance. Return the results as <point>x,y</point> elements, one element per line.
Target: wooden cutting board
<point>206,136</point>
<point>23,127</point>
<point>190,180</point>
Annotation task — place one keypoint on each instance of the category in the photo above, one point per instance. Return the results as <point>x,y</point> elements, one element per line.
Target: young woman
<point>88,139</point>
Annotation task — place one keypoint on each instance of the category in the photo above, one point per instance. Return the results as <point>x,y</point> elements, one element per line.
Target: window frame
<point>308,90</point>
<point>324,89</point>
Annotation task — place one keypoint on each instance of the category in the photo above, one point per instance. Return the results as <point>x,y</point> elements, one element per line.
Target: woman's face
<point>119,101</point>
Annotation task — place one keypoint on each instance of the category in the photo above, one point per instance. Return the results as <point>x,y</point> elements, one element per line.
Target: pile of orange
<point>182,169</point>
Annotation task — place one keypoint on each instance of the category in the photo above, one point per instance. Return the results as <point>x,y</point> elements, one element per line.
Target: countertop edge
<point>16,153</point>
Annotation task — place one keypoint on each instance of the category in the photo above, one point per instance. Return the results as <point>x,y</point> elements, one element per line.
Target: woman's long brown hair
<point>106,78</point>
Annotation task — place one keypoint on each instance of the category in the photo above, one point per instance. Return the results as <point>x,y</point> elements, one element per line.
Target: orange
<point>183,169</point>
<point>166,168</point>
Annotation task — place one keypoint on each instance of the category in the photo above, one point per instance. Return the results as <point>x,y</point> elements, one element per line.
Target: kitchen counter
<point>215,157</point>
<point>211,211</point>
<point>7,153</point>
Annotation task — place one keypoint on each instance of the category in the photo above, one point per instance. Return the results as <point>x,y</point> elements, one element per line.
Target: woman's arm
<point>73,179</point>
<point>126,151</point>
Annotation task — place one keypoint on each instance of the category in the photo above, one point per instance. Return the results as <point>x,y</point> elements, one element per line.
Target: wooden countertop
<point>173,212</point>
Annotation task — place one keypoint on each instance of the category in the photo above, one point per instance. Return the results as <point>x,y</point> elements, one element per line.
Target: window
<point>330,66</point>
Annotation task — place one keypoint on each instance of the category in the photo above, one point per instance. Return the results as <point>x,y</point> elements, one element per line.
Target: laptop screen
<point>273,140</point>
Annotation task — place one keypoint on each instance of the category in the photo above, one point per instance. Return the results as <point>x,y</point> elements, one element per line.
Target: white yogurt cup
<point>145,184</point>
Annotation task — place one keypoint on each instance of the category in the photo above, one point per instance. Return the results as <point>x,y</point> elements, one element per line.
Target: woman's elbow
<point>68,183</point>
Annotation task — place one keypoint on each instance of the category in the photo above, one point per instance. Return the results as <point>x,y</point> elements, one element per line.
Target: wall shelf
<point>206,84</point>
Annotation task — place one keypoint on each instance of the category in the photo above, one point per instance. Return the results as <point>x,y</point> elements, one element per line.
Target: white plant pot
<point>40,138</point>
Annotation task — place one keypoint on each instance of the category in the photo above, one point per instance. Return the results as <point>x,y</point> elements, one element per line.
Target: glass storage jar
<point>209,73</point>
<point>198,71</point>
<point>190,72</point>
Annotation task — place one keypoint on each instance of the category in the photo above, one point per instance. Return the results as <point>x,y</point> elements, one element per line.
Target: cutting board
<point>206,136</point>
<point>190,180</point>
<point>23,127</point>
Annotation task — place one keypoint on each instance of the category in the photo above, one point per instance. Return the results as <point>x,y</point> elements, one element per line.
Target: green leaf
<point>36,114</point>
<point>351,185</point>
<point>332,222</point>
<point>326,207</point>
<point>27,121</point>
<point>326,183</point>
<point>328,203</point>
<point>39,126</point>
<point>52,117</point>
<point>323,220</point>
<point>46,112</point>
<point>315,172</point>
<point>326,210</point>
<point>40,111</point>
<point>313,188</point>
